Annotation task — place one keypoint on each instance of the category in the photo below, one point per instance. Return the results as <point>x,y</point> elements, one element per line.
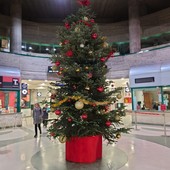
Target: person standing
<point>45,115</point>
<point>37,118</point>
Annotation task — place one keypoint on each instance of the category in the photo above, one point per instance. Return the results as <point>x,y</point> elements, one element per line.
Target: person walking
<point>37,118</point>
<point>45,115</point>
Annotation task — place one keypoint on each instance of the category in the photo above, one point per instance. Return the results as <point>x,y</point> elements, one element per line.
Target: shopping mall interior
<point>138,32</point>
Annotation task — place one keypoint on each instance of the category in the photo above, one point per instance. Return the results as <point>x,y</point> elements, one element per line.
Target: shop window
<point>147,99</point>
<point>4,43</point>
<point>8,102</point>
<point>166,97</point>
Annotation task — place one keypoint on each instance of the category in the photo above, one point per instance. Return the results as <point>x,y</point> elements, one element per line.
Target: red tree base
<point>84,149</point>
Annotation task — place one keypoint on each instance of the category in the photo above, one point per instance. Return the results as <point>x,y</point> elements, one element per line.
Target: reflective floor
<point>145,148</point>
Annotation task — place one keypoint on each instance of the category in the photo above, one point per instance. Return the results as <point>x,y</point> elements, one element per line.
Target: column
<point>16,26</point>
<point>134,26</point>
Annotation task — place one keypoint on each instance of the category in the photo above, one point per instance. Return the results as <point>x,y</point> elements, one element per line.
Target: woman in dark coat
<point>45,115</point>
<point>37,118</point>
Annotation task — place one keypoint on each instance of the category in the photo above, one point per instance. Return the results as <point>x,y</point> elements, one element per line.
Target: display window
<point>25,100</point>
<point>147,98</point>
<point>8,101</point>
<point>166,97</point>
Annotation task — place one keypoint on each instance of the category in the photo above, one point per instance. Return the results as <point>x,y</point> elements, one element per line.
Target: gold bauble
<point>104,38</point>
<point>78,70</point>
<point>77,29</point>
<point>86,68</point>
<point>117,118</point>
<point>118,135</point>
<point>79,105</point>
<point>54,68</point>
<point>119,96</point>
<point>52,109</point>
<point>53,91</point>
<point>62,138</point>
<point>90,52</point>
<point>86,19</point>
<point>105,45</point>
<point>87,88</point>
<point>81,45</point>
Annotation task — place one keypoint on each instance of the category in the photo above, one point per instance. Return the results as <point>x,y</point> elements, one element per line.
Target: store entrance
<point>148,100</point>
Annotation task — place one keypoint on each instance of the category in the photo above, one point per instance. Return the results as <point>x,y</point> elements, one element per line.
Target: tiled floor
<point>143,149</point>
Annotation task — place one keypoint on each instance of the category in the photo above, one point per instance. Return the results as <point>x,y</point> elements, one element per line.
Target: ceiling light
<point>41,87</point>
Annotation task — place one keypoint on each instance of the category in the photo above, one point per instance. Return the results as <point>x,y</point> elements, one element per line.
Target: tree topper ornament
<point>84,2</point>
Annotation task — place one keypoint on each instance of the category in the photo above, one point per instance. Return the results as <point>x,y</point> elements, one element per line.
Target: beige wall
<point>47,33</point>
<point>36,68</point>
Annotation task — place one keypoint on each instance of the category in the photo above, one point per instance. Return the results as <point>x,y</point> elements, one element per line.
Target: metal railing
<point>164,114</point>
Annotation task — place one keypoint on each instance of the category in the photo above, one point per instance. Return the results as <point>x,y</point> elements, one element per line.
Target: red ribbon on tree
<point>84,2</point>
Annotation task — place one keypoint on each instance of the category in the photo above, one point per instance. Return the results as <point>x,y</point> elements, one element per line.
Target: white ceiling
<point>44,84</point>
<point>37,84</point>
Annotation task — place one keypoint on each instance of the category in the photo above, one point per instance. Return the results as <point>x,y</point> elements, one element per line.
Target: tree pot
<point>86,149</point>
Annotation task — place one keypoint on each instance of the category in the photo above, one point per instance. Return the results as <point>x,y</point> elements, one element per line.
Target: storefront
<point>150,87</point>
<point>9,97</point>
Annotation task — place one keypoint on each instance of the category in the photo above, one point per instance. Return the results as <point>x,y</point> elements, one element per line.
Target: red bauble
<point>57,63</point>
<point>94,105</point>
<point>111,54</point>
<point>69,53</point>
<point>59,73</point>
<point>106,108</point>
<point>69,100</point>
<point>67,25</point>
<point>94,35</point>
<point>108,123</point>
<point>84,116</point>
<point>69,119</point>
<point>61,68</point>
<point>52,134</point>
<point>92,21</point>
<point>53,96</point>
<point>103,59</point>
<point>100,89</point>
<point>90,75</point>
<point>58,112</point>
<point>87,23</point>
<point>66,42</point>
<point>74,87</point>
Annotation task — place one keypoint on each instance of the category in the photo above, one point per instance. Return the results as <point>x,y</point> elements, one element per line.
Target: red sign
<point>163,107</point>
<point>9,82</point>
<point>127,100</point>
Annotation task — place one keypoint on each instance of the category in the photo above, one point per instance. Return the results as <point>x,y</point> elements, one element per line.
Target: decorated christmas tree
<point>82,101</point>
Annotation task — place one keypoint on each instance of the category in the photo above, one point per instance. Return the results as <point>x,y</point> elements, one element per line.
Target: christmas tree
<point>83,102</point>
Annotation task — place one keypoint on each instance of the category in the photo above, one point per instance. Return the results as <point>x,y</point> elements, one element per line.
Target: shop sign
<point>9,82</point>
<point>50,70</point>
<point>39,94</point>
<point>15,82</point>
<point>24,89</point>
